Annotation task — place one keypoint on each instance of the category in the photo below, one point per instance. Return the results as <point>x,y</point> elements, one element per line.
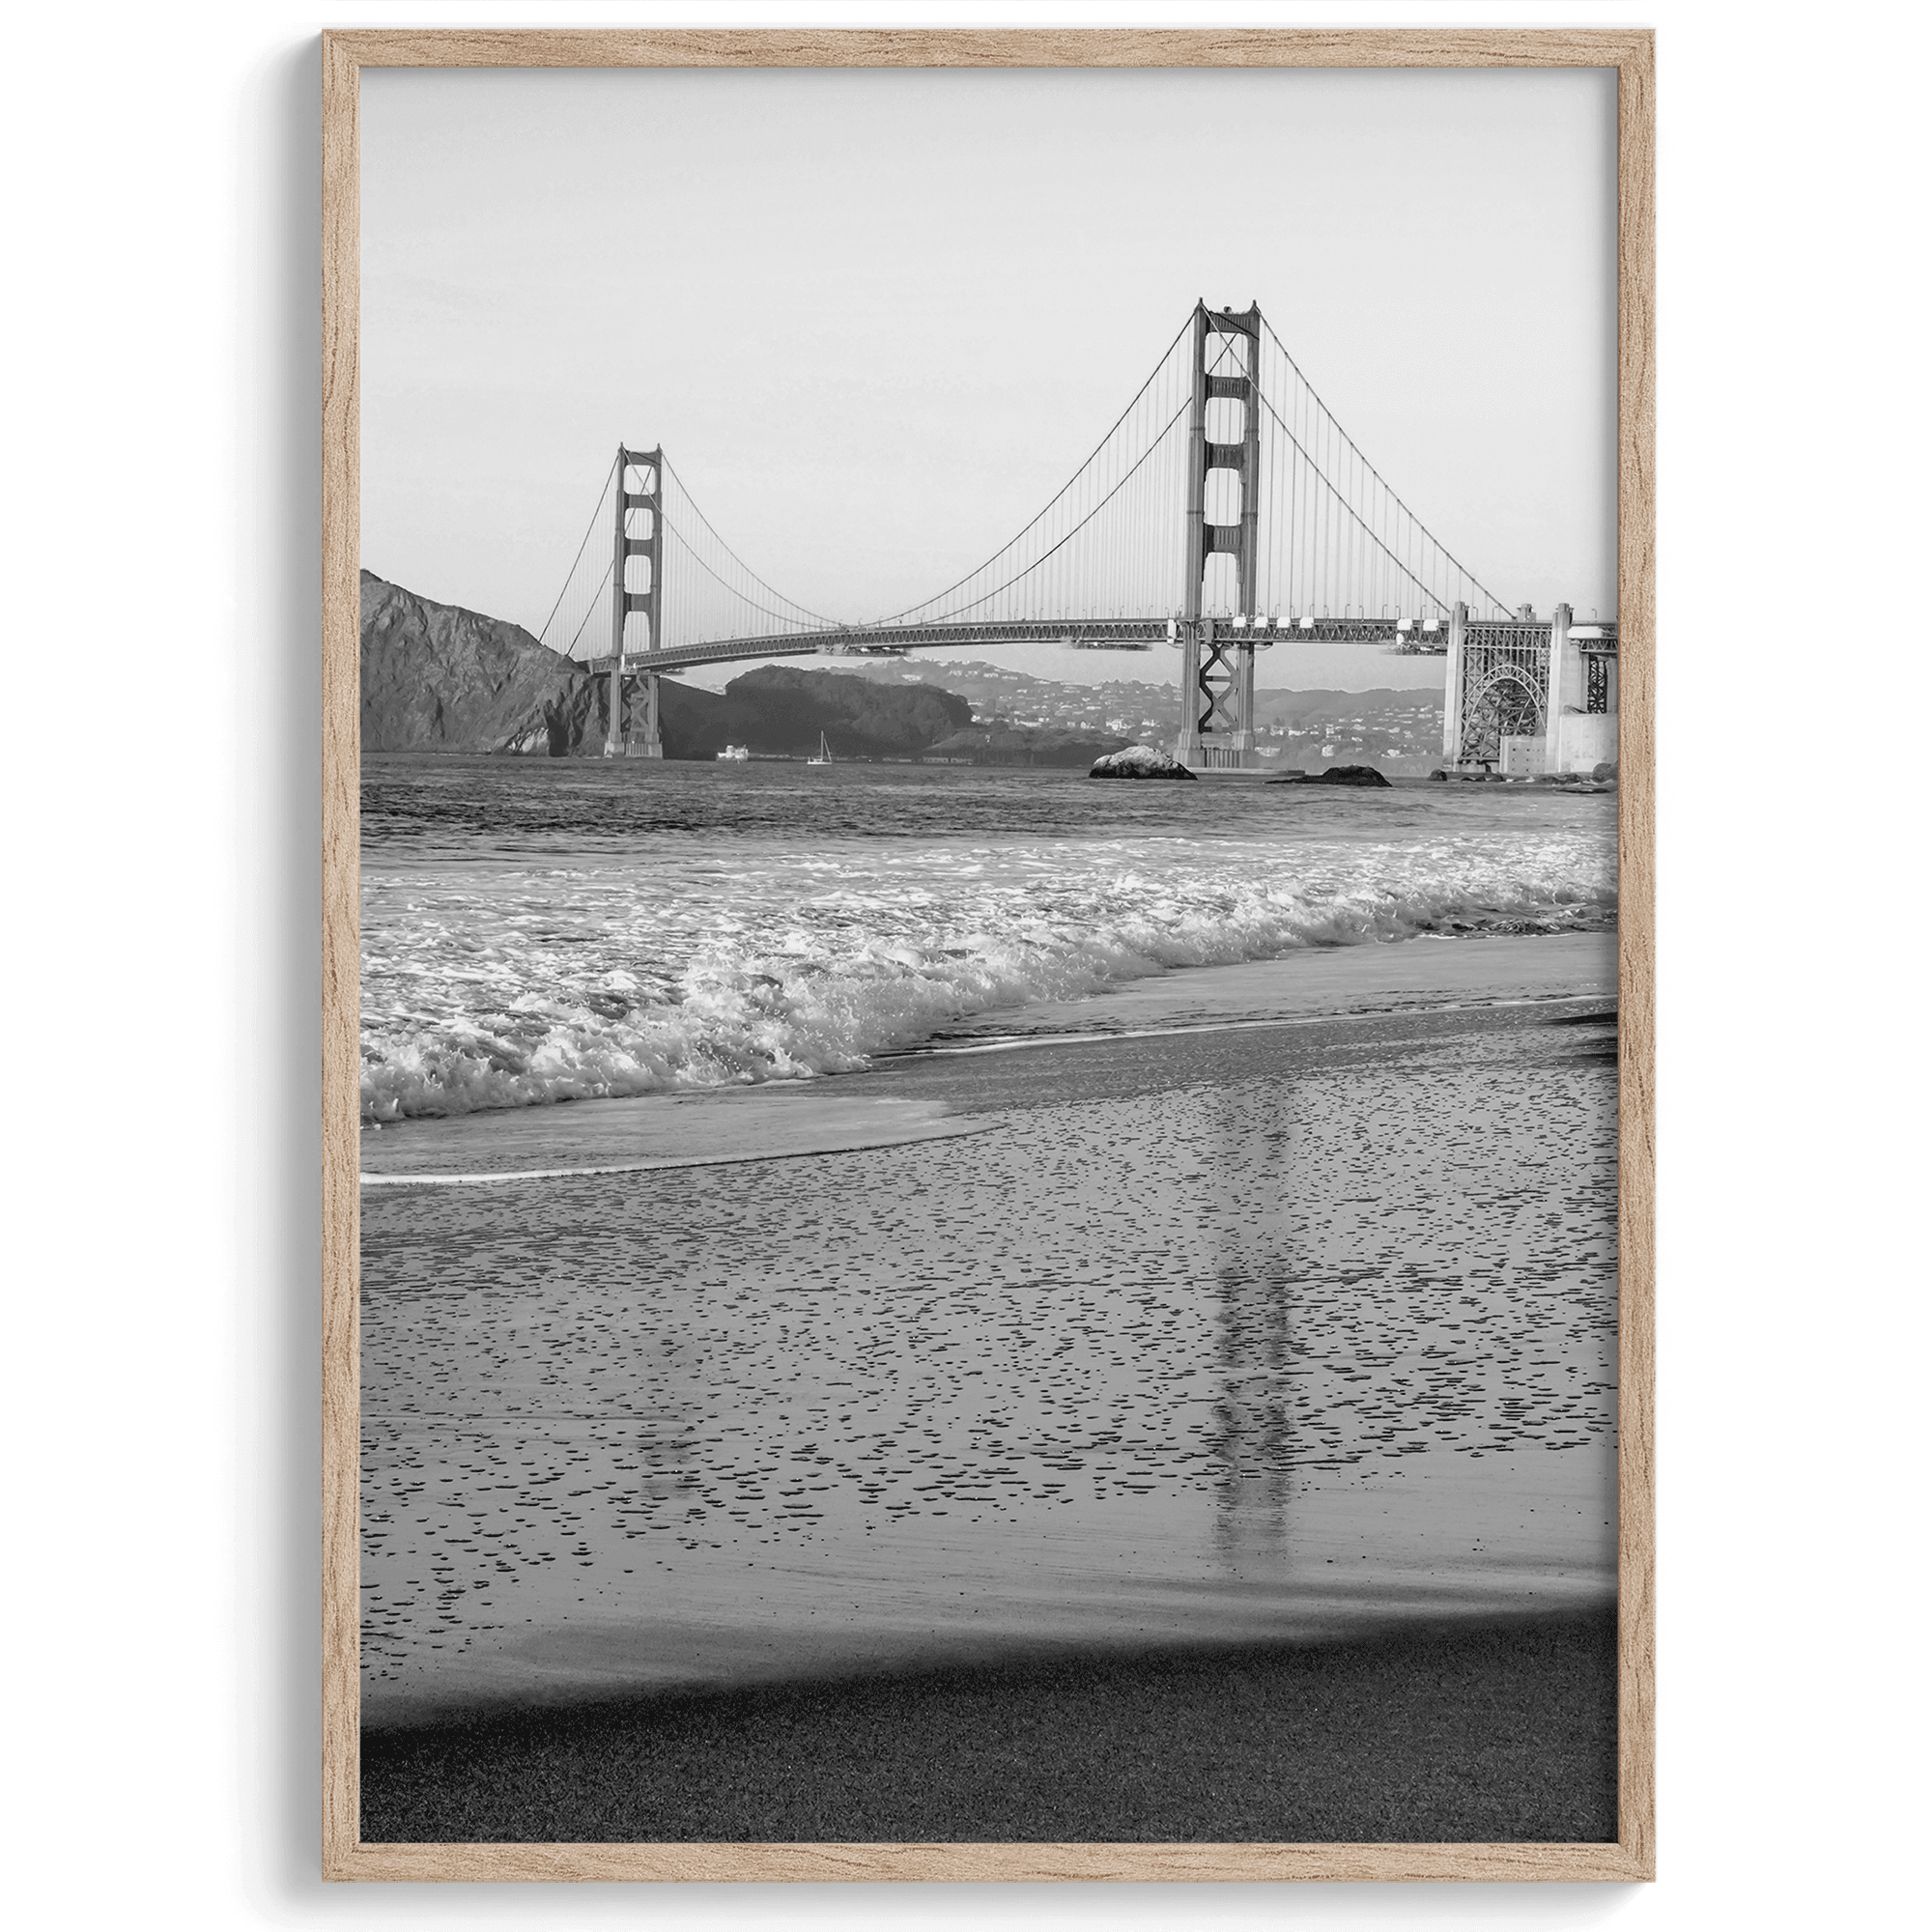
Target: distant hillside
<point>776,709</point>
<point>1137,708</point>
<point>1366,706</point>
<point>439,678</point>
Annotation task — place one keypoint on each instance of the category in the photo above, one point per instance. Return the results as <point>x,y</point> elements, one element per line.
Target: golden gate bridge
<point>1223,513</point>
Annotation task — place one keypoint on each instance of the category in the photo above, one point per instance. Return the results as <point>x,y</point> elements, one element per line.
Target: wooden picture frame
<point>1631,52</point>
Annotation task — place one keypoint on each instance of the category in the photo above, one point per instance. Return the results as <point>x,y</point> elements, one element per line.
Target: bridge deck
<point>1129,634</point>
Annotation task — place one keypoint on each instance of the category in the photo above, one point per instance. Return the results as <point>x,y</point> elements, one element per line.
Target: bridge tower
<point>1217,678</point>
<point>641,739</point>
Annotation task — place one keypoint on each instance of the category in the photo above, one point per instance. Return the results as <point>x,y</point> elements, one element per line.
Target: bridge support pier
<point>1217,726</point>
<point>646,740</point>
<point>1581,719</point>
<point>1563,690</point>
<point>1452,686</point>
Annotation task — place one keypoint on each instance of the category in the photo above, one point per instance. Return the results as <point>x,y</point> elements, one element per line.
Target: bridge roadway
<point>1091,634</point>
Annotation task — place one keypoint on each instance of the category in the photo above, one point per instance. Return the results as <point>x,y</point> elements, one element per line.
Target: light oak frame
<point>1632,52</point>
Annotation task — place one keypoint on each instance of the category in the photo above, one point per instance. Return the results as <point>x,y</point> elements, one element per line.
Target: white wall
<point>1584,740</point>
<point>1517,756</point>
<point>160,986</point>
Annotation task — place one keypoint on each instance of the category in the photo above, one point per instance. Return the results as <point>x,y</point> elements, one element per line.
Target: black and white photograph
<point>989,1094</point>
<point>961,965</point>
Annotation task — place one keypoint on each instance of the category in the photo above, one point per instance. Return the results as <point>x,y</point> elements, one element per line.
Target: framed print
<point>987,707</point>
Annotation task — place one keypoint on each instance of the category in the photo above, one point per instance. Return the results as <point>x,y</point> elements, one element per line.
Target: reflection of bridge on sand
<point>1247,1249</point>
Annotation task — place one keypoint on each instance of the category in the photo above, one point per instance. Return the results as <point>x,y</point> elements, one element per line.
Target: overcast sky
<point>876,318</point>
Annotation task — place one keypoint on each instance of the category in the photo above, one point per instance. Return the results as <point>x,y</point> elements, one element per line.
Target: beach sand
<point>1033,1374</point>
<point>1429,1733</point>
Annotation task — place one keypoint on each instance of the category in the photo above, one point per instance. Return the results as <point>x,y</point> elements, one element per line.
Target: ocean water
<point>534,934</point>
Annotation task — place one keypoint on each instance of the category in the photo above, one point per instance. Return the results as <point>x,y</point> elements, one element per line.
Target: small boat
<point>824,757</point>
<point>734,754</point>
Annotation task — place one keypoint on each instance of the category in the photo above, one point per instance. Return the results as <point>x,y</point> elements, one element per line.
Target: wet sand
<point>649,1136</point>
<point>1282,1321</point>
<point>1325,982</point>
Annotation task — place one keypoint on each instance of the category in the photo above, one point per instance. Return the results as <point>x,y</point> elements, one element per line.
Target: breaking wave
<point>739,961</point>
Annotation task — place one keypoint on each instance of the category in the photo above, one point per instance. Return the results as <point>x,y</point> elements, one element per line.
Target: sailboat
<point>824,757</point>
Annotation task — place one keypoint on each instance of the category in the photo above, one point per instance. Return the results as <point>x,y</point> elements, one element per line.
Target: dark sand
<point>1451,1732</point>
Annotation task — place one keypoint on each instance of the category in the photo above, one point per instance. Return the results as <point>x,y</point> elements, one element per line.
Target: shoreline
<point>822,1114</point>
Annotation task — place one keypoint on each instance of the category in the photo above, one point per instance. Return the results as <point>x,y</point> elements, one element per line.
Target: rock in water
<point>1337,775</point>
<point>1139,761</point>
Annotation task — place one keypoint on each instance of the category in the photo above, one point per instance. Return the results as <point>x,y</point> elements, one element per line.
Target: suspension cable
<point>590,610</point>
<point>589,533</point>
<point>1056,497</point>
<point>1362,526</point>
<point>1077,527</point>
<point>833,622</point>
<point>731,589</point>
<point>1372,470</point>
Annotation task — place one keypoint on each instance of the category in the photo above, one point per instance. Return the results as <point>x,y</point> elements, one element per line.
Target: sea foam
<point>725,961</point>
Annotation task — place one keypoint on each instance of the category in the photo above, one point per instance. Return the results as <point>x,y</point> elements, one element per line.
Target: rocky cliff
<point>439,678</point>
